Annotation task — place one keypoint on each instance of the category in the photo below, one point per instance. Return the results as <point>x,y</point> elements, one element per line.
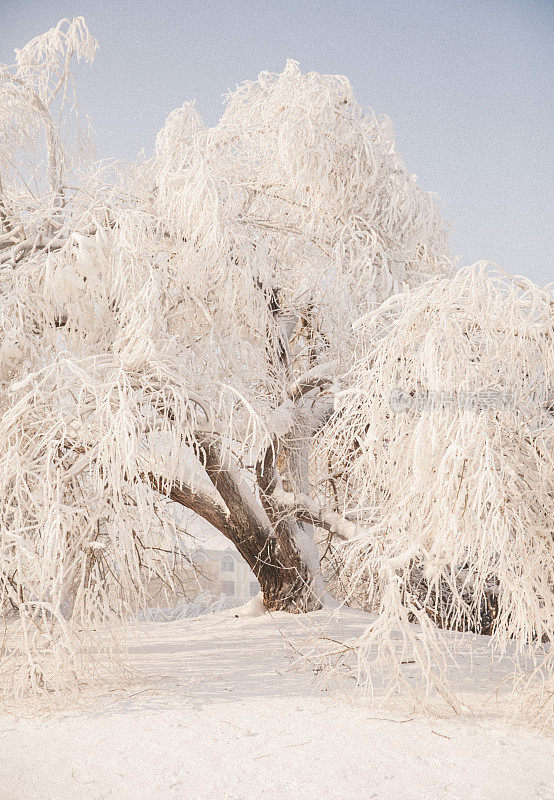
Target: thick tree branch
<point>202,504</point>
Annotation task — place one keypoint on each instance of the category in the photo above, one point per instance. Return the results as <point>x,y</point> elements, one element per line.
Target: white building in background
<point>220,569</point>
<point>225,570</point>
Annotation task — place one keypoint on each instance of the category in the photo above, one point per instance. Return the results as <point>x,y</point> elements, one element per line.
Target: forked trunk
<point>280,552</point>
<point>275,550</point>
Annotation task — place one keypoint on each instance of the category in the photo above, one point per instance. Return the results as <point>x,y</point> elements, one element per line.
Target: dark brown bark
<point>286,530</point>
<point>269,548</point>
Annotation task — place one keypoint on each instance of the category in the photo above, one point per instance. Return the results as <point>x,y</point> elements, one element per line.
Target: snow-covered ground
<point>226,710</point>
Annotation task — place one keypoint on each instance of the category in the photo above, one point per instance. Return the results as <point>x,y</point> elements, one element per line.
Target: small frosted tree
<point>181,331</point>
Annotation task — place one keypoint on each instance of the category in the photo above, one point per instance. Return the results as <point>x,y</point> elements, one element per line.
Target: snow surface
<point>226,709</point>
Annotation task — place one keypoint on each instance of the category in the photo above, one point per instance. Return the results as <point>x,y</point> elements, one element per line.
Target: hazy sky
<point>468,85</point>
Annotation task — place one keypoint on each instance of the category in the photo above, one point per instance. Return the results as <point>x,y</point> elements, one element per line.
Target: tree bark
<point>272,549</point>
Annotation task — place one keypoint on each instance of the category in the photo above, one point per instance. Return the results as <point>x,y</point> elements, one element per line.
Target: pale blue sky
<point>468,86</point>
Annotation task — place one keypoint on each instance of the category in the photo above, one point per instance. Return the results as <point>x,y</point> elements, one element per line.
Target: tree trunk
<point>276,550</point>
<point>283,572</point>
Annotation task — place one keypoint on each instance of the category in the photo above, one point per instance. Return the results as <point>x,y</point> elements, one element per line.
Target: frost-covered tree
<point>181,331</point>
<point>443,437</point>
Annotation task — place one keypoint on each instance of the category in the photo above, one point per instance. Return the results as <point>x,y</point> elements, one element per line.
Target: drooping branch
<point>42,110</point>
